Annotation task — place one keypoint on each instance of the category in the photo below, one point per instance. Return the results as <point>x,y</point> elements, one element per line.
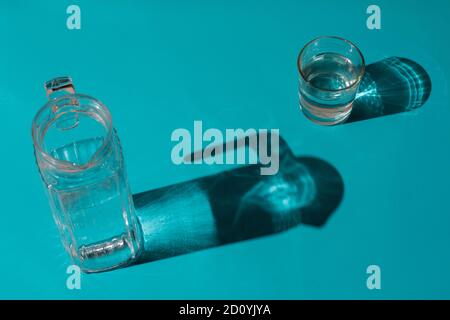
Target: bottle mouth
<point>64,114</point>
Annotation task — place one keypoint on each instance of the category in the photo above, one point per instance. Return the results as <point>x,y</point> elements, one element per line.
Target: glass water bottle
<point>80,161</point>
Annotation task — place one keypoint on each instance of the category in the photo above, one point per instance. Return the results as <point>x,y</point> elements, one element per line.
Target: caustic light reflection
<point>291,189</point>
<point>391,86</point>
<point>278,198</point>
<point>236,205</point>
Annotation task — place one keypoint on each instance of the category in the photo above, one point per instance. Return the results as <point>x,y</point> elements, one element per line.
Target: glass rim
<point>360,74</point>
<point>64,165</point>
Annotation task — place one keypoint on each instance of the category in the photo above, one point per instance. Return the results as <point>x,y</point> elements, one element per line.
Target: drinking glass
<point>331,69</point>
<point>80,160</point>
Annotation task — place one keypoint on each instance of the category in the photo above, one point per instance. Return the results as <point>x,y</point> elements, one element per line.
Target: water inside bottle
<point>93,206</point>
<point>78,152</point>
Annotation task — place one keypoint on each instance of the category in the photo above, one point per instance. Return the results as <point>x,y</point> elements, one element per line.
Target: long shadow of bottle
<point>236,205</point>
<point>390,86</point>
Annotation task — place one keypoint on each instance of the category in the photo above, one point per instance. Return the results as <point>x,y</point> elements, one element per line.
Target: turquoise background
<point>160,65</point>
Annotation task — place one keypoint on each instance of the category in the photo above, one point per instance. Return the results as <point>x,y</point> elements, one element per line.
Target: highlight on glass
<point>331,69</point>
<point>80,160</point>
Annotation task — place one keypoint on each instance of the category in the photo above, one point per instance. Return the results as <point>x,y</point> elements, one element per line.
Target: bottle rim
<point>40,130</point>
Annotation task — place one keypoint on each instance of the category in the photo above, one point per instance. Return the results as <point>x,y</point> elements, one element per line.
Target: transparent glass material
<point>331,70</point>
<point>80,161</point>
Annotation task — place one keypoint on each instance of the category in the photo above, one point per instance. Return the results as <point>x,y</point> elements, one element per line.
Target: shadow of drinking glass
<point>390,86</point>
<point>236,205</point>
